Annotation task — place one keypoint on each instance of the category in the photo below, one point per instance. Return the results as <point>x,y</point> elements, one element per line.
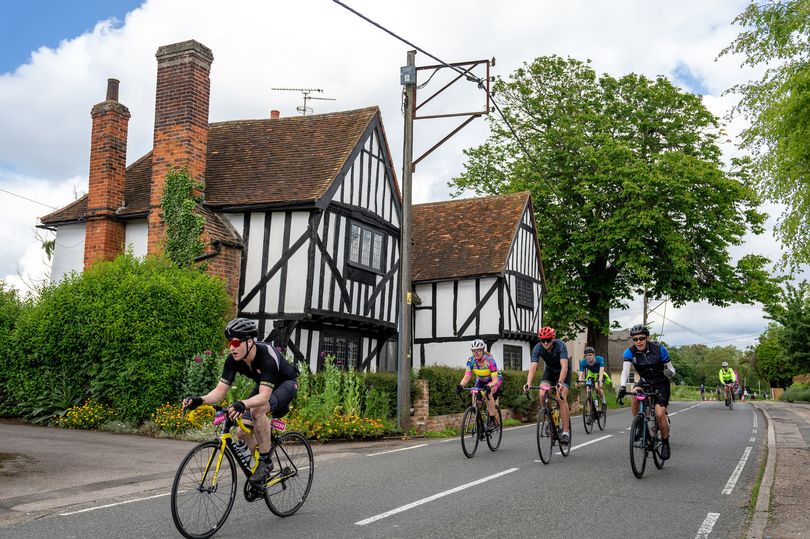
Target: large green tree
<point>777,35</point>
<point>792,313</point>
<point>628,188</point>
<point>770,359</point>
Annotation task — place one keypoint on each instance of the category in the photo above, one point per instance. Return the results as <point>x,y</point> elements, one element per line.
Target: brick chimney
<point>181,123</point>
<point>104,233</point>
<point>275,114</point>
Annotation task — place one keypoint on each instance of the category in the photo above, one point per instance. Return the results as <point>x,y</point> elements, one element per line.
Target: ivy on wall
<point>183,226</point>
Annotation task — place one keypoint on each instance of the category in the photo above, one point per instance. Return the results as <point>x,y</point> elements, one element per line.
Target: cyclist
<point>702,392</point>
<point>592,367</point>
<point>555,355</point>
<point>728,378</point>
<point>487,377</point>
<point>655,369</point>
<point>275,387</point>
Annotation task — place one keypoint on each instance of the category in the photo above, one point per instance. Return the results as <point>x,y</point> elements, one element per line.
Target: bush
<point>121,330</point>
<point>202,373</point>
<point>89,415</point>
<point>797,392</point>
<point>11,308</point>
<point>337,426</point>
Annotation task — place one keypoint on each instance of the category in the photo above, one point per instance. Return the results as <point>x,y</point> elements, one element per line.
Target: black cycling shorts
<point>552,377</point>
<point>662,387</point>
<point>280,399</point>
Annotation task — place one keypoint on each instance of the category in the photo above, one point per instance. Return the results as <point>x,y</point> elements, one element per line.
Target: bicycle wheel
<point>657,443</point>
<point>494,437</point>
<point>566,448</point>
<point>545,439</point>
<point>731,404</point>
<point>287,487</point>
<point>202,497</point>
<point>469,432</point>
<point>638,446</point>
<point>587,415</point>
<point>601,415</point>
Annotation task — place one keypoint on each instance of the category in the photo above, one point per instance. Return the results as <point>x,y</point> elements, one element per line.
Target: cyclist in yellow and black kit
<point>728,378</point>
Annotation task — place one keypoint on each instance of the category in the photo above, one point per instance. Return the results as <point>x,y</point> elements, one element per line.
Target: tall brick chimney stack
<point>104,234</point>
<point>181,123</point>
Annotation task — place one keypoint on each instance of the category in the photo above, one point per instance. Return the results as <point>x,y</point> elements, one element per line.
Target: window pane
<point>376,259</point>
<point>354,250</point>
<point>340,352</point>
<point>365,254</point>
<point>354,352</point>
<point>329,345</point>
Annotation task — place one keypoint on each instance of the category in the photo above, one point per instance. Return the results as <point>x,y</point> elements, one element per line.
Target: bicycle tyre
<point>199,509</point>
<point>494,437</point>
<point>587,415</point>
<point>469,432</point>
<point>731,404</point>
<point>545,439</point>
<point>657,443</point>
<point>601,418</point>
<point>288,486</point>
<point>566,448</point>
<point>638,446</point>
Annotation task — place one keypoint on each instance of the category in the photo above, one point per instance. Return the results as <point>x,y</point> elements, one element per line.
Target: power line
<point>28,199</point>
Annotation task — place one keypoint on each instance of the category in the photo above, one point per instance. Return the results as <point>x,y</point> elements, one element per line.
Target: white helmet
<point>478,344</point>
<point>725,364</point>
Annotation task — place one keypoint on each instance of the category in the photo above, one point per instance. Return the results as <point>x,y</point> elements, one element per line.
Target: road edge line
<point>761,514</point>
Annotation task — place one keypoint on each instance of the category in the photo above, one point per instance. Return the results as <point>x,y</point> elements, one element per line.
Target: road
<point>427,488</point>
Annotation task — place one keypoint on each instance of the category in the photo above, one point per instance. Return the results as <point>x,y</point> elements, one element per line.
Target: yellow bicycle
<point>205,484</point>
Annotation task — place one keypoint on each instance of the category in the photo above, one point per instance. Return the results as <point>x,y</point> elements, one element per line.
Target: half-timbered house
<point>477,273</point>
<point>302,213</point>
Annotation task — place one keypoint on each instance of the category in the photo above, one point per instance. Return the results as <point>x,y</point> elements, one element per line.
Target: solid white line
<point>431,498</point>
<point>755,421</point>
<point>706,527</point>
<point>589,442</point>
<point>113,504</point>
<point>735,475</point>
<point>395,450</point>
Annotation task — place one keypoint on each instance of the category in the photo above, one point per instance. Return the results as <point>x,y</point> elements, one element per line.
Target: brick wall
<point>104,238</point>
<point>227,265</point>
<point>181,122</point>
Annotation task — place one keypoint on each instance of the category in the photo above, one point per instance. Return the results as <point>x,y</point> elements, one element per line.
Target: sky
<point>55,59</point>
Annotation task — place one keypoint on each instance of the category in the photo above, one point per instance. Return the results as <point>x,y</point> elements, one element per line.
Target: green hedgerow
<point>89,415</point>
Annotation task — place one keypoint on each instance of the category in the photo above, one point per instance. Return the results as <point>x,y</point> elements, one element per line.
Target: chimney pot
<point>112,89</point>
<point>275,115</point>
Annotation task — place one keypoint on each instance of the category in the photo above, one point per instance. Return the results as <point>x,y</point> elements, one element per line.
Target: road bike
<point>474,425</point>
<point>549,425</point>
<point>729,392</point>
<point>645,437</point>
<point>205,484</point>
<point>593,409</point>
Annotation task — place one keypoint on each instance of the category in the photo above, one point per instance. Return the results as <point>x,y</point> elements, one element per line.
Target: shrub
<point>797,392</point>
<point>11,308</point>
<point>337,426</point>
<point>202,373</point>
<point>89,415</point>
<point>122,329</point>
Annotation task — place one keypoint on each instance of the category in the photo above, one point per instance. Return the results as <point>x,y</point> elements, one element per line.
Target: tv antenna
<point>304,109</point>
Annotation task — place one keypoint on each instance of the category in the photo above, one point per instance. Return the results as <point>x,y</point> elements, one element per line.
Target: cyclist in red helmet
<point>555,355</point>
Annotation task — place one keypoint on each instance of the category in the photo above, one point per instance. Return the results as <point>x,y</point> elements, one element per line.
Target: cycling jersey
<point>552,356</point>
<point>587,368</point>
<point>484,373</point>
<point>727,376</point>
<point>649,363</point>
<point>268,368</point>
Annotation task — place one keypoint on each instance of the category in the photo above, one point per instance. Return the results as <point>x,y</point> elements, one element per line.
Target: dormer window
<point>366,247</point>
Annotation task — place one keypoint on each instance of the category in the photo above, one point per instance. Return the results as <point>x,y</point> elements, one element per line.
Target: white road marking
<point>708,524</point>
<point>589,442</point>
<point>431,498</point>
<point>456,438</point>
<point>755,422</point>
<point>113,504</point>
<point>735,475</point>
<point>395,450</point>
<point>752,439</point>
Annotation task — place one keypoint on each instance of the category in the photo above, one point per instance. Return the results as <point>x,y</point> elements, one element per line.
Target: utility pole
<point>408,80</point>
<point>644,315</point>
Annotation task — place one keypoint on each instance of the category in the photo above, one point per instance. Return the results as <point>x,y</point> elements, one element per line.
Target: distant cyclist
<point>592,367</point>
<point>487,377</point>
<point>702,392</point>
<point>728,378</point>
<point>555,355</point>
<point>654,367</point>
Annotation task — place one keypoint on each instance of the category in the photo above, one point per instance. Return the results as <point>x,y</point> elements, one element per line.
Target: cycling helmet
<point>639,329</point>
<point>546,333</point>
<point>241,328</point>
<point>478,344</point>
<point>589,350</point>
<point>725,365</point>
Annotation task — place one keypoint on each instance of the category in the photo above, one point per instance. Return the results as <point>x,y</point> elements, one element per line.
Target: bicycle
<point>474,425</point>
<point>549,429</point>
<point>204,486</point>
<point>729,392</point>
<point>593,409</point>
<point>645,437</point>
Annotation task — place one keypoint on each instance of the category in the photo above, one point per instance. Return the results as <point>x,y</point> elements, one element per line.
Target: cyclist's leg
<point>545,380</point>
<point>490,401</point>
<point>282,397</point>
<point>661,408</point>
<point>562,399</point>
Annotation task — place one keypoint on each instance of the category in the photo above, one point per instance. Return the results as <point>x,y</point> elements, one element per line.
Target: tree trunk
<point>598,339</point>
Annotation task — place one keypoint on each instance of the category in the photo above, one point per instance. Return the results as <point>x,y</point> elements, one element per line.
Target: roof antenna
<point>304,109</point>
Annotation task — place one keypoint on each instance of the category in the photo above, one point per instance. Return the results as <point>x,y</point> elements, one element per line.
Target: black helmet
<point>241,328</point>
<point>589,350</point>
<point>639,329</point>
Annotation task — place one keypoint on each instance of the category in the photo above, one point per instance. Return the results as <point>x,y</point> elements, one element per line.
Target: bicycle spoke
<point>288,487</point>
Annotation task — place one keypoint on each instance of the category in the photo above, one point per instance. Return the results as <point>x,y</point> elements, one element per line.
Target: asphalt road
<point>427,488</point>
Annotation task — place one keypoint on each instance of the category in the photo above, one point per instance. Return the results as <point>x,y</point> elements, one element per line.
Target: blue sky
<point>26,25</point>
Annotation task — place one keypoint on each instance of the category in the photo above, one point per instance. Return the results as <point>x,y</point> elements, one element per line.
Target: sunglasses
<point>546,340</point>
<point>639,339</point>
<point>234,342</point>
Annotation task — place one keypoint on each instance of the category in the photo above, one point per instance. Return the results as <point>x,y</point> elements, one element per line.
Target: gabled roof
<point>255,162</point>
<point>465,238</point>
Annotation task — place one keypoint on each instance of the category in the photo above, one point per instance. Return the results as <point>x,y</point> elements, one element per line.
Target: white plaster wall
<point>68,253</point>
<point>137,234</point>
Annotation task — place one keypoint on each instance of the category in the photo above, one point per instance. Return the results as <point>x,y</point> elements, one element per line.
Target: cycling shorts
<point>280,399</point>
<point>551,378</point>
<point>480,384</point>
<point>663,389</point>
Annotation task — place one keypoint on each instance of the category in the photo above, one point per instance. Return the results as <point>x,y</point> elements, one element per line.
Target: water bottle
<point>242,452</point>
<point>555,416</point>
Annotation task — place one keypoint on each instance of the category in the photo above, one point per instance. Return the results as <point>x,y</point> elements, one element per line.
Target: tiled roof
<point>462,238</point>
<point>253,162</point>
<point>219,228</point>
